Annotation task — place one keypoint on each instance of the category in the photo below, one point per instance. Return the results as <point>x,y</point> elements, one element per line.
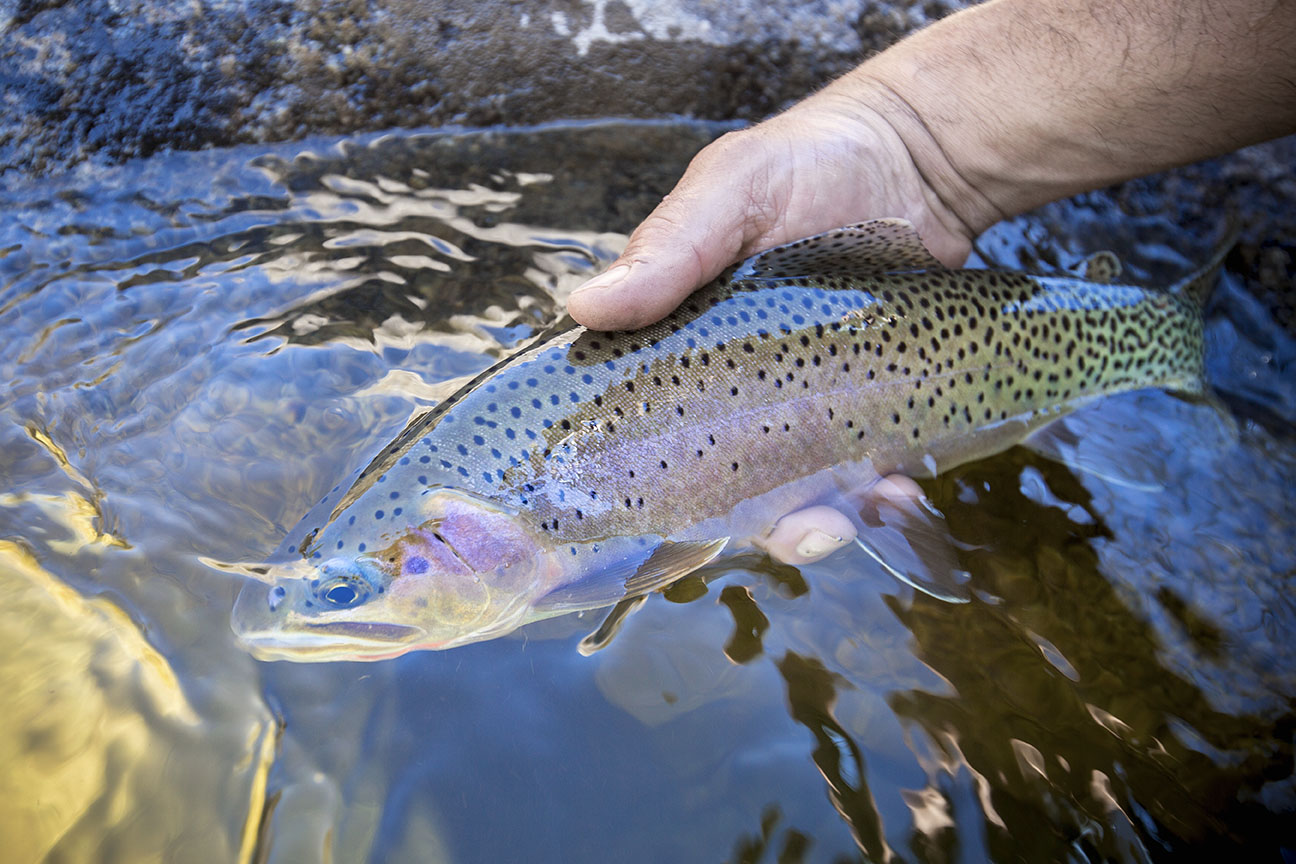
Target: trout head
<point>464,572</point>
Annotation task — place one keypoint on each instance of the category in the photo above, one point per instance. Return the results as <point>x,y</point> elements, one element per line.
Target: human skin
<point>985,114</point>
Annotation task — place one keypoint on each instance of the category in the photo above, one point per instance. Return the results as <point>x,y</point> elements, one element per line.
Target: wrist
<point>1013,103</point>
<point>955,186</point>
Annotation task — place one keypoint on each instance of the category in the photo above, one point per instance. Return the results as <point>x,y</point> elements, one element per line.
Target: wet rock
<point>114,79</point>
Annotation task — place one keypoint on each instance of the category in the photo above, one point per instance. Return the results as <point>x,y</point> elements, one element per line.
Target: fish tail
<point>1194,290</point>
<point>1197,285</point>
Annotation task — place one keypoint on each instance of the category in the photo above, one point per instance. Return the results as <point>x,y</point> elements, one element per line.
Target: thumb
<point>692,235</point>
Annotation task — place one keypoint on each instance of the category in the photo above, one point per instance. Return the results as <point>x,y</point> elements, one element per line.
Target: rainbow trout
<point>594,467</point>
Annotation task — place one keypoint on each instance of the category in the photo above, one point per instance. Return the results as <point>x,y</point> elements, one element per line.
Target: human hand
<point>829,161</point>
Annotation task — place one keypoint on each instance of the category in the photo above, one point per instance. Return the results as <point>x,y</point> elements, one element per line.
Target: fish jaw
<point>271,621</point>
<point>470,574</point>
<point>307,642</point>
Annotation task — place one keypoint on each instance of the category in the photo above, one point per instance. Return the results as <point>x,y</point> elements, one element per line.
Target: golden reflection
<point>66,661</point>
<point>41,437</point>
<point>80,515</point>
<point>95,727</point>
<point>262,743</point>
<point>75,513</point>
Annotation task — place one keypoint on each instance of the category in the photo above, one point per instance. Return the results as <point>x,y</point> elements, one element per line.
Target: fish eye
<point>342,593</point>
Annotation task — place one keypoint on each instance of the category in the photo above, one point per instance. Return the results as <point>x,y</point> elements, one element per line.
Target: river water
<point>196,347</point>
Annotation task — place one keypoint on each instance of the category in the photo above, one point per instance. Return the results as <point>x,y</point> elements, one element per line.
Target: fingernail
<point>816,543</point>
<point>605,280</point>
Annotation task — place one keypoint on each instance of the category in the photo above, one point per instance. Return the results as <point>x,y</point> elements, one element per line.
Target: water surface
<point>197,347</point>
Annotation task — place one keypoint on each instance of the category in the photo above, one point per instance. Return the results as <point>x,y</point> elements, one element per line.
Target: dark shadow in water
<point>1134,761</point>
<point>749,624</point>
<point>792,848</point>
<point>1108,774</point>
<point>811,694</point>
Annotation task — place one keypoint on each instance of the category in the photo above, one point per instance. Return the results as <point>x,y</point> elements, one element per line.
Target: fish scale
<point>806,372</point>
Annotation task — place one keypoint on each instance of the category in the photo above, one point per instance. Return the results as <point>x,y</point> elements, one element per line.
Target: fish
<point>593,468</point>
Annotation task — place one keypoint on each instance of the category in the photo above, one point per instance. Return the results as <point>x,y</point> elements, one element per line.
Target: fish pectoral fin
<point>863,250</point>
<point>633,577</point>
<point>671,561</point>
<point>908,537</point>
<point>1117,453</point>
<point>1102,267</point>
<point>611,626</point>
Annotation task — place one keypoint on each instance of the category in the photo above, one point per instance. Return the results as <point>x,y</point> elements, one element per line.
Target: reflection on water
<point>199,346</point>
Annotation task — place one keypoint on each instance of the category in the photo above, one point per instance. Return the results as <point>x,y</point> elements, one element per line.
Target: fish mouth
<point>340,640</point>
<point>270,635</point>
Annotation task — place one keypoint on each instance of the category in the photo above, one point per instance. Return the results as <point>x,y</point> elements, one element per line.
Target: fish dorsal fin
<point>1102,267</point>
<point>868,249</point>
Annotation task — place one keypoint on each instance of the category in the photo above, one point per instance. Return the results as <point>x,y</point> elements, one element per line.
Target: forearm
<point>1017,102</point>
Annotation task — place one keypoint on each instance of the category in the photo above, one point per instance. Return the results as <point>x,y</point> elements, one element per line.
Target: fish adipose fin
<point>1102,267</point>
<point>867,249</point>
<point>668,562</point>
<point>908,537</point>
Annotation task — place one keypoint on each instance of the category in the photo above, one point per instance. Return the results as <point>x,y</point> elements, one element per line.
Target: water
<point>197,347</point>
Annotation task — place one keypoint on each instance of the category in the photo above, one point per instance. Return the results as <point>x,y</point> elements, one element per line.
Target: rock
<point>114,79</point>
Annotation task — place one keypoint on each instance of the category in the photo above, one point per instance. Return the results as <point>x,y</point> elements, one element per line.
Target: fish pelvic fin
<point>909,538</point>
<point>1197,285</point>
<point>867,249</point>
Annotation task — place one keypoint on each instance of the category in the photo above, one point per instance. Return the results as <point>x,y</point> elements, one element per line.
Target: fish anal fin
<point>908,537</point>
<point>1226,426</point>
<point>1102,267</point>
<point>863,250</point>
<point>1198,284</point>
<point>1110,452</point>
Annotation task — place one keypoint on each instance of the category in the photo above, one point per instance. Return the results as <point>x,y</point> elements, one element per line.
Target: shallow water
<point>198,346</point>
